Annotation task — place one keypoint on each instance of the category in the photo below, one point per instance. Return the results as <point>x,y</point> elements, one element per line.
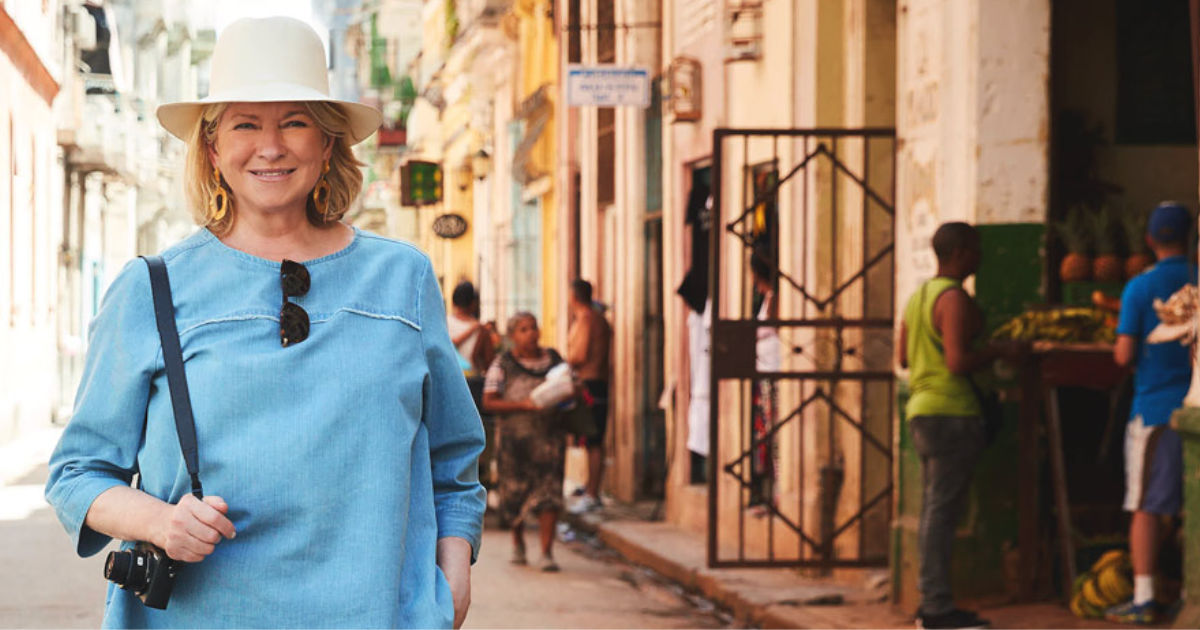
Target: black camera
<point>146,570</point>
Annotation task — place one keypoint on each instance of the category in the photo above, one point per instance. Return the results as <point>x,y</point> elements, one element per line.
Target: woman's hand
<point>454,558</point>
<point>191,529</point>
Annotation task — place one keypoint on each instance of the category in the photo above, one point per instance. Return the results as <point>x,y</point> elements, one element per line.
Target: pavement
<point>45,585</point>
<point>784,598</point>
<point>594,589</point>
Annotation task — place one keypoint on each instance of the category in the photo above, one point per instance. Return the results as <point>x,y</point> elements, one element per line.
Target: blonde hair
<point>344,177</point>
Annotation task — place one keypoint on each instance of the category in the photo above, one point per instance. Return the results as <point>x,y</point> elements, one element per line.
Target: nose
<point>270,144</point>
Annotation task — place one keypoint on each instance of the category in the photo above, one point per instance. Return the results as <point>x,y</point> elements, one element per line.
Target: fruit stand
<point>1070,347</point>
<point>1053,364</point>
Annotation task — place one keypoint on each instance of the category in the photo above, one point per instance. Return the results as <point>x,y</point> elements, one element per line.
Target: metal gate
<point>802,390</point>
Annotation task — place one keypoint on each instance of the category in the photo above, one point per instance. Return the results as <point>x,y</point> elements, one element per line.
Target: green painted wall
<point>1187,422</point>
<point>1009,279</point>
<point>1011,273</point>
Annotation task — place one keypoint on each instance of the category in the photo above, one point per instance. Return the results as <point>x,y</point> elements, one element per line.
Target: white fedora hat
<point>268,60</point>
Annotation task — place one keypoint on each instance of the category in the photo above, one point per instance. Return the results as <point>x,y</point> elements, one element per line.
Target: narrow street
<point>46,586</point>
<point>703,239</point>
<point>595,589</point>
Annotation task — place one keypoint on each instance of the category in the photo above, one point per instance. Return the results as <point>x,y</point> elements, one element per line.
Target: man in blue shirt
<point>1153,454</point>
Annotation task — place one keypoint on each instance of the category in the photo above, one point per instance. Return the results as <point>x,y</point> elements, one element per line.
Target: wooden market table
<point>1052,365</point>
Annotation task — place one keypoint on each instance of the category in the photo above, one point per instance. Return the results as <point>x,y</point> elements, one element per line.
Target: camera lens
<point>128,569</point>
<point>116,568</point>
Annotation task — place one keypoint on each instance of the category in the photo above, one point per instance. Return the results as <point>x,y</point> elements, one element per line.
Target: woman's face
<point>270,154</point>
<point>525,334</point>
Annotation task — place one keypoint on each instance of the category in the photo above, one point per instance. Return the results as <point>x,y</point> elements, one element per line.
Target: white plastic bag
<point>557,387</point>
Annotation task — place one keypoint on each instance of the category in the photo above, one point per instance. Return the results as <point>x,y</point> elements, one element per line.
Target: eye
<point>244,125</point>
<point>295,123</point>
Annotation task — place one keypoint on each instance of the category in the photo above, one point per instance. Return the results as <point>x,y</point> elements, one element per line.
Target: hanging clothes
<point>700,360</point>
<point>694,288</point>
<point>764,412</point>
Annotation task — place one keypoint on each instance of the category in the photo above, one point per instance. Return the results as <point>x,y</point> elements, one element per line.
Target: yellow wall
<point>538,53</point>
<point>458,255</point>
<point>454,259</point>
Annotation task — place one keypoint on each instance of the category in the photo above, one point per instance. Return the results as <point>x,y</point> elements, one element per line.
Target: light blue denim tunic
<point>343,458</point>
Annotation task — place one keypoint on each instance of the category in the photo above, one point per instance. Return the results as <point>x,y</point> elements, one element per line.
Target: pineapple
<point>1073,230</point>
<point>1140,258</point>
<point>1107,266</point>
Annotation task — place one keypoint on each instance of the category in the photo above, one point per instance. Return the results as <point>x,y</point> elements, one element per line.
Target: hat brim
<point>180,118</point>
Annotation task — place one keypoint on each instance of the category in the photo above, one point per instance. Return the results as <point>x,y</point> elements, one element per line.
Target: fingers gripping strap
<point>164,315</point>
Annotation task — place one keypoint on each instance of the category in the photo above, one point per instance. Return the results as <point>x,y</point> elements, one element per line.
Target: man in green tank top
<point>944,414</point>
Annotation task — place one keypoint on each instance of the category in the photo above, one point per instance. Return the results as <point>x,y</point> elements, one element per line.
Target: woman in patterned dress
<point>532,441</point>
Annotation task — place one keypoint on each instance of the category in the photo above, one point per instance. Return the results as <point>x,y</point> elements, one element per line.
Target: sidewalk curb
<point>749,603</point>
<point>781,598</point>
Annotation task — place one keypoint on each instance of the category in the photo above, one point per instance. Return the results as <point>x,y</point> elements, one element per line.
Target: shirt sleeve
<point>493,380</point>
<point>456,436</point>
<point>1133,308</point>
<point>98,449</point>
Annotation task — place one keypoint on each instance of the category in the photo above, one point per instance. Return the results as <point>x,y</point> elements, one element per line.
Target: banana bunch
<point>1107,584</point>
<point>1075,324</point>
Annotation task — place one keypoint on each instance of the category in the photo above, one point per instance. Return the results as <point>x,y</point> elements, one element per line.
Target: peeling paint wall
<point>973,120</point>
<point>1012,112</point>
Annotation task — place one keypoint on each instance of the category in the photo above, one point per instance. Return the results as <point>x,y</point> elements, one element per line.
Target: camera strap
<point>164,314</point>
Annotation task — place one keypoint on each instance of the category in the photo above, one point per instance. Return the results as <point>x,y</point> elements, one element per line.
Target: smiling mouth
<point>275,172</point>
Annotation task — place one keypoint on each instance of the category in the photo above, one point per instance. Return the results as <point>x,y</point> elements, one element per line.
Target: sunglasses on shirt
<point>293,320</point>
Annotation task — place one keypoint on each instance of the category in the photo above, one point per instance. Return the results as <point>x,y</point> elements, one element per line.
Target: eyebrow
<point>294,112</point>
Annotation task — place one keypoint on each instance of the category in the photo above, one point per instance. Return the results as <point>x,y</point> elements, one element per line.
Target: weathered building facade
<point>31,78</point>
<point>90,178</point>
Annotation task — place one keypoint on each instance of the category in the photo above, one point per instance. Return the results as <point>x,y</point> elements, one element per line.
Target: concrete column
<point>565,130</point>
<point>972,123</point>
<point>674,359</point>
<point>629,280</point>
<point>869,88</point>
<point>589,212</point>
<point>635,47</point>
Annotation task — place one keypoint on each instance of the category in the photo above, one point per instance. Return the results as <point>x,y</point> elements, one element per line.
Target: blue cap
<point>1169,222</point>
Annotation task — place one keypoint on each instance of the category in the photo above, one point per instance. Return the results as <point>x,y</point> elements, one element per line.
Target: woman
<point>768,358</point>
<point>476,341</point>
<point>476,344</point>
<point>532,440</point>
<point>337,439</point>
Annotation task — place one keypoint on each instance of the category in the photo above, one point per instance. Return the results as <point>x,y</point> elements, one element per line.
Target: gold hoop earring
<point>218,203</point>
<point>320,194</point>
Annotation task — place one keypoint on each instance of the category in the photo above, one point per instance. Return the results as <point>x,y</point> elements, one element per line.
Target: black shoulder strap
<point>164,314</point>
